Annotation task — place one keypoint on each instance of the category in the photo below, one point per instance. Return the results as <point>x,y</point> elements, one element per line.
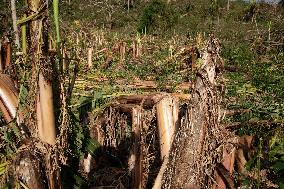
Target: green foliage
<point>10,141</point>
<point>276,155</point>
<point>157,17</point>
<point>250,12</point>
<point>23,94</point>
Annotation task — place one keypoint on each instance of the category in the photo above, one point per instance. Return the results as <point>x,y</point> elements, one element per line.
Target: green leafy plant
<point>276,155</point>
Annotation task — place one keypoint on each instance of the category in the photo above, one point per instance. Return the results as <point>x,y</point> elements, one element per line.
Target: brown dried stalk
<point>90,57</point>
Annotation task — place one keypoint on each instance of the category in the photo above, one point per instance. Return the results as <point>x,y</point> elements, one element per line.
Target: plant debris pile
<point>119,149</point>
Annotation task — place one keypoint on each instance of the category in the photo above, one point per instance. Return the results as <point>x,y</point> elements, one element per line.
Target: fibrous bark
<point>136,155</point>
<point>167,117</point>
<point>27,169</point>
<point>41,120</point>
<point>38,48</point>
<point>199,141</point>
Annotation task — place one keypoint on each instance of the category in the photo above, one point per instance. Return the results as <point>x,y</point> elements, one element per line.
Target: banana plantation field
<point>138,94</point>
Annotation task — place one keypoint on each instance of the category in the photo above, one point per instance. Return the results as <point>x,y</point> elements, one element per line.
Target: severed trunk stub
<point>199,142</point>
<point>41,118</point>
<point>27,169</point>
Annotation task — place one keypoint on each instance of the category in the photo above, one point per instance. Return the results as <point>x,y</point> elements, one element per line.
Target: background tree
<point>14,18</point>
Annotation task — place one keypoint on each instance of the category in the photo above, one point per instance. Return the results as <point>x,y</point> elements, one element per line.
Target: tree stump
<point>199,141</point>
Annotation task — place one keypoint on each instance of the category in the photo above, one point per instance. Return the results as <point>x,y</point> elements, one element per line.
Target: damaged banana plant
<point>199,141</point>
<point>38,151</point>
<point>36,164</point>
<point>192,148</point>
<point>39,105</point>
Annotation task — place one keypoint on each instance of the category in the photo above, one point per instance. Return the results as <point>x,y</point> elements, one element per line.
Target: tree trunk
<point>47,124</point>
<point>228,5</point>
<point>197,145</point>
<point>14,18</point>
<point>45,109</point>
<point>38,33</point>
<point>42,98</point>
<point>27,169</point>
<point>136,155</point>
<point>90,57</point>
<point>167,116</point>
